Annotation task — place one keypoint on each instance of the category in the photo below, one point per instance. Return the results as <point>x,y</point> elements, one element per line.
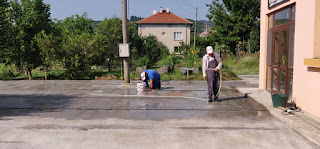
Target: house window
<point>176,49</point>
<point>177,35</point>
<point>282,17</point>
<point>163,33</point>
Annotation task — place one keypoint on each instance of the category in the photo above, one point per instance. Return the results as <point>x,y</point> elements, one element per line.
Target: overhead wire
<point>190,4</point>
<point>188,10</point>
<point>187,5</point>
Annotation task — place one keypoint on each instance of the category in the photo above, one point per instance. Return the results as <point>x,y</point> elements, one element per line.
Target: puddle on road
<point>200,93</point>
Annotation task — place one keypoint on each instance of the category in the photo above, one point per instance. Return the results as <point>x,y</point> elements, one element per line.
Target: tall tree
<point>234,20</point>
<point>77,24</point>
<point>29,17</point>
<point>79,52</point>
<point>111,30</point>
<point>72,44</point>
<point>4,29</point>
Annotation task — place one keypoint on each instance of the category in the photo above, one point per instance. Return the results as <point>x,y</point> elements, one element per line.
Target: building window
<point>177,35</point>
<point>177,50</point>
<point>293,14</point>
<point>163,33</point>
<point>280,50</point>
<point>282,17</point>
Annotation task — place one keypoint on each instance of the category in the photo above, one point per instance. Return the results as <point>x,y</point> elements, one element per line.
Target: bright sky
<point>99,9</point>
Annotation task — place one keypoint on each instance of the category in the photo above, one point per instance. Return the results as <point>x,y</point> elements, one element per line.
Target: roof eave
<point>164,23</point>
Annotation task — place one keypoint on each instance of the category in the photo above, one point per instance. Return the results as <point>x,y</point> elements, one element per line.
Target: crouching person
<point>154,78</point>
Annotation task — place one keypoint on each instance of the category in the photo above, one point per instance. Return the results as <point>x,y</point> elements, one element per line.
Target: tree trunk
<point>109,66</point>
<point>20,69</point>
<point>45,74</point>
<point>29,73</point>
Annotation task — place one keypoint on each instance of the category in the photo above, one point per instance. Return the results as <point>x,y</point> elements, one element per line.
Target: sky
<point>99,9</point>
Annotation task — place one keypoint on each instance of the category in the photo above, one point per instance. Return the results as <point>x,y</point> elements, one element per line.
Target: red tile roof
<point>164,18</point>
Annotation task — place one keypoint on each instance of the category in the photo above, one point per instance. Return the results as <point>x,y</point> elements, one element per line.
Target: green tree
<point>148,50</point>
<point>79,52</point>
<point>135,19</point>
<point>50,48</point>
<point>234,20</point>
<point>4,29</point>
<point>73,44</point>
<point>79,47</point>
<point>28,17</point>
<point>254,40</point>
<point>110,33</point>
<point>77,24</point>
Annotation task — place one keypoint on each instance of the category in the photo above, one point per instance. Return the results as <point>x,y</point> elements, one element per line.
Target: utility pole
<point>125,41</point>
<point>195,30</point>
<point>206,30</point>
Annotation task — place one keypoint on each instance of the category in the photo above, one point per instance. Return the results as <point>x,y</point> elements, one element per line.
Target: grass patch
<point>227,74</point>
<point>61,75</point>
<point>230,69</point>
<point>248,65</point>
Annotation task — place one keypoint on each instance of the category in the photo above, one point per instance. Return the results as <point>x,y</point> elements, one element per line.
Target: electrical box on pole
<point>124,50</point>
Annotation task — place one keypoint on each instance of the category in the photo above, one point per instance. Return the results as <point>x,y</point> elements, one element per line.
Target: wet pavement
<point>111,114</point>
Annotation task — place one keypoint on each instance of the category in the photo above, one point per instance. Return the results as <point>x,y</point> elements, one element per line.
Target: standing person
<point>154,78</point>
<point>211,66</point>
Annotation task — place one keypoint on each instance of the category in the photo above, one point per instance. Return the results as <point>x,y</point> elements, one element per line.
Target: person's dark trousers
<point>157,84</point>
<point>213,83</point>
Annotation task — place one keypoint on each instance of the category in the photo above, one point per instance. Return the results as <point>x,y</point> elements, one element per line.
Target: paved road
<point>110,114</point>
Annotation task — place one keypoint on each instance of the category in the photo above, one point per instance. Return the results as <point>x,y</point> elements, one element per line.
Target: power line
<point>190,12</point>
<point>187,5</point>
<point>190,4</point>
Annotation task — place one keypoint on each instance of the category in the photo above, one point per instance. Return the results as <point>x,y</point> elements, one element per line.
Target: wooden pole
<point>125,41</point>
<point>195,30</point>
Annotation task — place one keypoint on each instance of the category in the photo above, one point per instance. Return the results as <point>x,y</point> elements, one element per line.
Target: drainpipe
<point>186,33</point>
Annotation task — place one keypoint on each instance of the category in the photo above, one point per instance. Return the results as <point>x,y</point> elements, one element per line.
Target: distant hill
<point>135,18</point>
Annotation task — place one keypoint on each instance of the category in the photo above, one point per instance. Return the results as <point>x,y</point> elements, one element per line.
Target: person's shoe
<point>210,100</point>
<point>217,99</point>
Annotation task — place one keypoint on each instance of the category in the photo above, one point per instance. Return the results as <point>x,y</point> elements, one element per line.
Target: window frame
<point>175,34</point>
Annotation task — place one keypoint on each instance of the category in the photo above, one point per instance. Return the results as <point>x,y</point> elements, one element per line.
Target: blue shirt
<point>152,74</point>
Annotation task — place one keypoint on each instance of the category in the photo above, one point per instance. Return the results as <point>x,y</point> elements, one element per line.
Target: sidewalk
<point>301,122</point>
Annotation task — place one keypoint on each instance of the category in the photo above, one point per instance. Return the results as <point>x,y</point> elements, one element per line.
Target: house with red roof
<point>169,28</point>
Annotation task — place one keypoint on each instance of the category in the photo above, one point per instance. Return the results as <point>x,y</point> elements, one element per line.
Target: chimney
<point>154,11</point>
<point>168,10</point>
<point>161,9</point>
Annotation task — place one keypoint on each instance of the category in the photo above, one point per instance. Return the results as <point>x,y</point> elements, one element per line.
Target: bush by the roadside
<point>171,59</point>
<point>7,72</point>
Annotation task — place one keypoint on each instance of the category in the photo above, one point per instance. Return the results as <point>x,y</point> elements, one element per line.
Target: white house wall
<point>168,38</point>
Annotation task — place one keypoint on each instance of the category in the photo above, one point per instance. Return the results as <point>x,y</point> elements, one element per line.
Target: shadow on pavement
<point>24,105</point>
<point>234,98</point>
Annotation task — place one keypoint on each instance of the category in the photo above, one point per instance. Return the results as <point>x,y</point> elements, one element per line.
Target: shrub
<point>142,61</point>
<point>171,59</point>
<point>192,59</point>
<point>6,72</point>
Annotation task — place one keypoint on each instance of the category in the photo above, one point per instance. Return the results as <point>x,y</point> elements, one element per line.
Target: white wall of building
<point>168,37</point>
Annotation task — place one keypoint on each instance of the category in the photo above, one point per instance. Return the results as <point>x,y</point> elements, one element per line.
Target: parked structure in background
<point>169,28</point>
<point>290,43</point>
<point>203,34</point>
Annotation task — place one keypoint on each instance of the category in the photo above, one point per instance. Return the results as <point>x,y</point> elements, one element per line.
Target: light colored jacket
<point>205,62</point>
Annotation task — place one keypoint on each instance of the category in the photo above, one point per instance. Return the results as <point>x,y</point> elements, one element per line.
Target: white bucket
<point>141,86</point>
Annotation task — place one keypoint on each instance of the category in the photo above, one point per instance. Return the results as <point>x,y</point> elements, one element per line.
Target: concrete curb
<point>308,129</point>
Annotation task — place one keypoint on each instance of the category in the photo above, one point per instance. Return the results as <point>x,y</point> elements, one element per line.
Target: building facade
<point>289,42</point>
<point>169,28</point>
